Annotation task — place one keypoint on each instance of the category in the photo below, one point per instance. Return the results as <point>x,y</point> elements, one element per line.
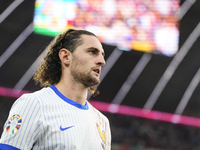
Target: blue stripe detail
<point>7,147</point>
<point>78,105</point>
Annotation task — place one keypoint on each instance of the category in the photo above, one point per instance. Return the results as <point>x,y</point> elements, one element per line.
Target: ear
<point>65,56</point>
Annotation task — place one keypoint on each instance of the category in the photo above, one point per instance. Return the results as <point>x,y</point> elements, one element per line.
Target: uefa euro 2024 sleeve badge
<point>14,124</point>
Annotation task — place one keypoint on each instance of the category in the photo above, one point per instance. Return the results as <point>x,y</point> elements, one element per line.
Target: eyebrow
<point>96,49</point>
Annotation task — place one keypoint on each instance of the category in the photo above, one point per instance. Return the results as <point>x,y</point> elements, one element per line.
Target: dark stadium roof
<point>132,78</point>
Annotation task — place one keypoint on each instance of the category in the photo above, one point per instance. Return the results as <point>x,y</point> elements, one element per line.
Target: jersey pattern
<point>47,120</point>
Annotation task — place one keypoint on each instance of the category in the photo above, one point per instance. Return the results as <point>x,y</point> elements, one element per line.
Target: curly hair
<point>49,71</point>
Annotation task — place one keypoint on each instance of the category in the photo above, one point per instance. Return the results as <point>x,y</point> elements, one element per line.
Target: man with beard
<point>58,117</point>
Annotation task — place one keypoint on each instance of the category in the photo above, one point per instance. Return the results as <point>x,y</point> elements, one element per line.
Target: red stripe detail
<point>11,92</point>
<point>125,110</point>
<point>138,112</point>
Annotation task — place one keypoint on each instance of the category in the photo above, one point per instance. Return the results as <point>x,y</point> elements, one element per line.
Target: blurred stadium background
<point>151,98</point>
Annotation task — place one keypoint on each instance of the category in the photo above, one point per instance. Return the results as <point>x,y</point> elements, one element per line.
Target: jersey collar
<point>71,102</point>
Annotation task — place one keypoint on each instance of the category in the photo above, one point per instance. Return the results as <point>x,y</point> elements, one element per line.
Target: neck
<point>75,92</point>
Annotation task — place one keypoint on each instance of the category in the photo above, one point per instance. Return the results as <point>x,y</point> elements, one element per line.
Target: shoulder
<point>40,93</point>
<point>37,94</point>
<point>31,99</point>
<point>97,112</point>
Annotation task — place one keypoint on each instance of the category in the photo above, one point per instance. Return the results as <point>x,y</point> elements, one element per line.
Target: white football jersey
<point>47,120</point>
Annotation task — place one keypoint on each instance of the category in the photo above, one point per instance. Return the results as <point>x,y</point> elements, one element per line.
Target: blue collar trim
<point>71,102</point>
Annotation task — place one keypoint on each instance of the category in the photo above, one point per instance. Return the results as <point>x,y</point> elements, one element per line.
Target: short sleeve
<point>24,124</point>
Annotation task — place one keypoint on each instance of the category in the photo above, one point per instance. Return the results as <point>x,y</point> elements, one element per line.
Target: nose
<point>101,60</point>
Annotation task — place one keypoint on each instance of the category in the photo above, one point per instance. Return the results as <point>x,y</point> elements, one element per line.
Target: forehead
<point>91,41</point>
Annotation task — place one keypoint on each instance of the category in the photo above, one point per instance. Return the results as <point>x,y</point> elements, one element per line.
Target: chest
<point>72,128</point>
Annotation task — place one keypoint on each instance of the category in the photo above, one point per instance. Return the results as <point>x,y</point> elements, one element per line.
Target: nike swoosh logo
<point>63,129</point>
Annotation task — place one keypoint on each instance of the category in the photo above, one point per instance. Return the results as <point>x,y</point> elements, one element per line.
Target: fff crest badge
<point>14,124</point>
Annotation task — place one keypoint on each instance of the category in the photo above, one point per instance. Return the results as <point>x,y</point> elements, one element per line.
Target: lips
<point>97,71</point>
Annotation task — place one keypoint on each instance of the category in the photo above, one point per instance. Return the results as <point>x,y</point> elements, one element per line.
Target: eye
<point>92,52</point>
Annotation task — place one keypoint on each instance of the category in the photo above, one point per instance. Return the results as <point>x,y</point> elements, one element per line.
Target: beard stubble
<point>81,76</point>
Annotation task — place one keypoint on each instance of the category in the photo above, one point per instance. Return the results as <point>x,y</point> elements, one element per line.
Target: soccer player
<point>58,117</point>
